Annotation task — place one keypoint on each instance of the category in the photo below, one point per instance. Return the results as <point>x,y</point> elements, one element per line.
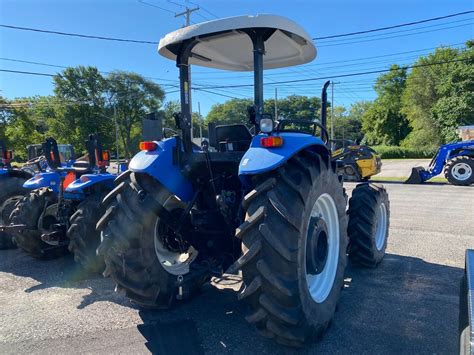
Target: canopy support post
<point>258,37</point>
<point>185,119</point>
<point>258,52</point>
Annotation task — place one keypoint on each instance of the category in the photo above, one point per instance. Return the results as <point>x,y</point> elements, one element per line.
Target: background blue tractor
<point>270,204</point>
<point>11,191</point>
<point>61,210</point>
<point>456,160</point>
<point>12,180</point>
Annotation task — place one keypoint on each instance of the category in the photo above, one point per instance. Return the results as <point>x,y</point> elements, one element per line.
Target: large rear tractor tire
<point>37,210</point>
<point>11,192</point>
<point>294,246</point>
<point>148,269</point>
<point>460,171</point>
<point>84,239</point>
<point>369,221</point>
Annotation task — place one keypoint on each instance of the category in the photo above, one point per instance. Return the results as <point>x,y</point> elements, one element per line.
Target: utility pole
<point>276,105</point>
<point>200,123</point>
<point>187,14</point>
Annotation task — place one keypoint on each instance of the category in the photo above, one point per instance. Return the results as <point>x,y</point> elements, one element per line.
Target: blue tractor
<point>270,204</point>
<point>11,191</point>
<point>63,206</point>
<point>456,160</point>
<point>12,180</point>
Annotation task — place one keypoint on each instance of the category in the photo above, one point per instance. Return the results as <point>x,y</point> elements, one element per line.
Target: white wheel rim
<point>320,285</point>
<point>381,227</point>
<point>462,171</point>
<point>173,262</point>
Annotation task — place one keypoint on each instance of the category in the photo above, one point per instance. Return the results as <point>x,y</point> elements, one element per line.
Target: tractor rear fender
<point>87,181</point>
<point>258,159</point>
<point>45,179</point>
<point>160,164</point>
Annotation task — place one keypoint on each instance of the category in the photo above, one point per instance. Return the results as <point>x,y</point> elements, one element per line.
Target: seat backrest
<point>235,137</point>
<point>51,153</point>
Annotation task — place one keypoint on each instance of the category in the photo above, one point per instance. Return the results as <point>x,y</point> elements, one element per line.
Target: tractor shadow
<point>61,272</point>
<point>406,305</point>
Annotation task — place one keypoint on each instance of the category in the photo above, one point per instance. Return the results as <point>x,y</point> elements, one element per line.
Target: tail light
<point>271,141</point>
<point>148,146</point>
<point>105,155</point>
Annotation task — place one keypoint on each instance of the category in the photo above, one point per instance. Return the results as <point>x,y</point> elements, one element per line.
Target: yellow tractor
<point>355,162</point>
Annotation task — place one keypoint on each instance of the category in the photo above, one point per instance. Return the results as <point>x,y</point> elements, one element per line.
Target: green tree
<point>422,93</point>
<point>348,123</point>
<point>383,122</point>
<point>80,92</point>
<point>26,121</point>
<point>455,107</point>
<point>295,107</point>
<point>170,108</point>
<point>231,111</point>
<point>130,96</point>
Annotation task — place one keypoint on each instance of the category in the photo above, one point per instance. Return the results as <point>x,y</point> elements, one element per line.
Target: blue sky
<point>134,20</point>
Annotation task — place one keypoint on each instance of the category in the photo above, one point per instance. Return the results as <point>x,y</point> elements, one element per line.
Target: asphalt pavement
<point>409,304</point>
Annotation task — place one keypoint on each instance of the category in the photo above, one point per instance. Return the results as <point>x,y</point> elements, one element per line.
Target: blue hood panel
<point>89,180</point>
<point>45,179</point>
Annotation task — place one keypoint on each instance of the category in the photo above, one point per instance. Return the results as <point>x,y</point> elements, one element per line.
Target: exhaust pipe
<point>324,104</point>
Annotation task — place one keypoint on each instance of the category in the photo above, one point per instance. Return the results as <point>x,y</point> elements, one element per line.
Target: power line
<point>204,9</point>
<point>156,6</point>
<point>399,31</point>
<point>395,26</point>
<point>207,89</point>
<point>341,75</point>
<point>106,38</point>
<point>78,35</point>
<point>26,72</point>
<point>395,36</point>
<point>53,75</point>
<point>323,65</point>
<point>65,67</point>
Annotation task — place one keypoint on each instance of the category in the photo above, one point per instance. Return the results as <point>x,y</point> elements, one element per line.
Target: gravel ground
<point>407,305</point>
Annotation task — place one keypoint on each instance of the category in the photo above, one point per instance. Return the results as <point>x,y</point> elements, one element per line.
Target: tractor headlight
<point>266,125</point>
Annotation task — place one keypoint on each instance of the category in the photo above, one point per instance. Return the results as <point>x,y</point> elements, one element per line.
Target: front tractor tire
<point>83,236</point>
<point>294,246</point>
<point>11,191</point>
<point>37,210</point>
<point>460,170</point>
<point>149,272</point>
<point>369,221</point>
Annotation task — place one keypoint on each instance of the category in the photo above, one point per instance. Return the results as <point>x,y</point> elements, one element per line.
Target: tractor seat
<point>235,137</point>
<point>81,167</point>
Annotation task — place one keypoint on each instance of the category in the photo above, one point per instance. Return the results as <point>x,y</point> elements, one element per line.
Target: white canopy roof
<point>232,49</point>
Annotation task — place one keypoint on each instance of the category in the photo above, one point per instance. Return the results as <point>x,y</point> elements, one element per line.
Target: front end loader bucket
<point>415,176</point>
